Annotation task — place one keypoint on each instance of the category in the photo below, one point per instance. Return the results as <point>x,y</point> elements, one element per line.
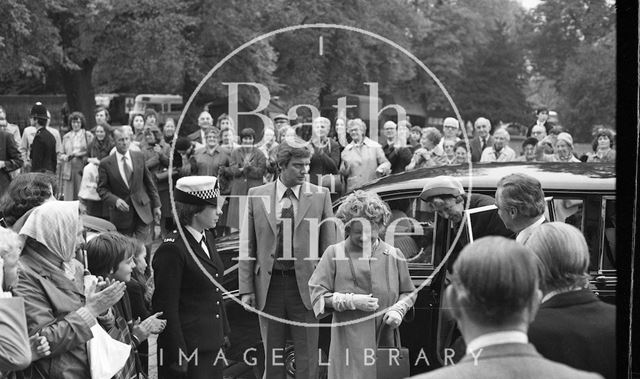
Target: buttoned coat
<point>260,231</point>
<point>191,303</point>
<point>141,194</point>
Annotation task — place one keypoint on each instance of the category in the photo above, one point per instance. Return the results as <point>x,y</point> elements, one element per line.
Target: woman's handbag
<point>392,362</point>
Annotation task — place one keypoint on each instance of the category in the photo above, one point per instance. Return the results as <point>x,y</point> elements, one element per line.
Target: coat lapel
<point>271,212</point>
<point>304,203</point>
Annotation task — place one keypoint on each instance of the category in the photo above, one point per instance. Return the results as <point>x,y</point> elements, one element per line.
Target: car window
<point>592,215</point>
<point>570,211</point>
<point>608,247</point>
<point>411,229</point>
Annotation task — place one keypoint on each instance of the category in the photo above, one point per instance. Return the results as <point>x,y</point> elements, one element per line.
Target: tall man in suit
<point>521,204</point>
<point>494,297</point>
<point>192,304</point>
<point>286,234</point>
<point>482,140</point>
<point>127,187</point>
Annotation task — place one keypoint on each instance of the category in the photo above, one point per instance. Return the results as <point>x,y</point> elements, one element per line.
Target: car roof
<point>556,177</point>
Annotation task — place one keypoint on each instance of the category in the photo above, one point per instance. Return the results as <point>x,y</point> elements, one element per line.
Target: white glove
<point>366,303</point>
<point>393,318</point>
<point>349,301</point>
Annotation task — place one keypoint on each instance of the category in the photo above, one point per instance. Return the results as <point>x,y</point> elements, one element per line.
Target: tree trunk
<point>79,90</point>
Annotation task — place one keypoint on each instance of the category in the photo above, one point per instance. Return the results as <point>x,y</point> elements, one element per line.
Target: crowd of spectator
<point>81,265</point>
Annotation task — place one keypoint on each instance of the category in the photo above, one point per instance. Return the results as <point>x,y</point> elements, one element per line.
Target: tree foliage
<point>489,54</point>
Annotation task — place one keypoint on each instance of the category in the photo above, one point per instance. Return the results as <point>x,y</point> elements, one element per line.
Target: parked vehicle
<point>165,105</point>
<point>118,104</point>
<point>582,194</point>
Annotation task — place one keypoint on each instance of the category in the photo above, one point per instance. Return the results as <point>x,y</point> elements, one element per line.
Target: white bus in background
<point>165,105</point>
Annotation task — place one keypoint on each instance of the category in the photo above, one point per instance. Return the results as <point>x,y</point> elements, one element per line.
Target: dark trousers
<point>283,301</point>
<point>138,229</point>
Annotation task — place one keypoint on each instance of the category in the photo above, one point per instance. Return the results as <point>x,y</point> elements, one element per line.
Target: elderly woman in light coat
<point>51,283</point>
<point>363,159</point>
<point>365,282</point>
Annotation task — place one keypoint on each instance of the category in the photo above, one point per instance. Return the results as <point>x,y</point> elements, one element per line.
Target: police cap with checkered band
<point>197,190</point>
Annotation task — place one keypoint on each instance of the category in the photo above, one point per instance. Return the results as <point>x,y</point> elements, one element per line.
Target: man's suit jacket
<point>510,360</point>
<point>577,329</point>
<point>141,195</point>
<point>261,231</point>
<point>10,154</point>
<point>193,306</point>
<point>476,147</point>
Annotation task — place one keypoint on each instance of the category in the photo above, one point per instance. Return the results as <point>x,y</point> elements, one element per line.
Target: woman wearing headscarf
<point>354,279</point>
<point>51,283</point>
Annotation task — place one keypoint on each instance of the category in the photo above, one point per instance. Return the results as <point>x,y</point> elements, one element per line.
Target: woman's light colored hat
<point>442,185</point>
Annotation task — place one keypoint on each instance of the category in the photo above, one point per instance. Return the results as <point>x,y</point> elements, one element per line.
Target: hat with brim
<point>441,185</point>
<point>197,190</point>
<point>39,111</point>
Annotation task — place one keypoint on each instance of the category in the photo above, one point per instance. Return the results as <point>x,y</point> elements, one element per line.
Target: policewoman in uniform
<point>191,302</point>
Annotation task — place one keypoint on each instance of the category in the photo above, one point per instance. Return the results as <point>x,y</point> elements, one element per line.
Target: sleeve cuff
<point>86,316</point>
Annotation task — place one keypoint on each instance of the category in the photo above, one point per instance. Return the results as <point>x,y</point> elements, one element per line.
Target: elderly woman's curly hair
<point>365,205</point>
<point>25,192</point>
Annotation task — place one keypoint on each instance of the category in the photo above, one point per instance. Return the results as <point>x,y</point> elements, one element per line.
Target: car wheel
<point>290,363</point>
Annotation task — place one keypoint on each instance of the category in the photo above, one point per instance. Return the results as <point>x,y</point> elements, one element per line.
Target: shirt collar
<point>497,338</point>
<point>196,234</point>
<point>281,188</point>
<point>119,156</point>
<point>525,233</point>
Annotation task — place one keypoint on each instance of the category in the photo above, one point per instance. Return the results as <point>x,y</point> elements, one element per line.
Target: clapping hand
<point>153,324</point>
<point>98,302</point>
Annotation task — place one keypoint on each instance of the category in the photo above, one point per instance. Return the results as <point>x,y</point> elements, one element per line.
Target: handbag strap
<point>396,337</point>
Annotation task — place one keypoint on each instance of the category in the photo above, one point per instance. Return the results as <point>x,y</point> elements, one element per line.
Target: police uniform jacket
<point>191,302</point>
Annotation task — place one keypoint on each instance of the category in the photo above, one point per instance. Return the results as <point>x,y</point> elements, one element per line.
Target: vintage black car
<point>582,194</point>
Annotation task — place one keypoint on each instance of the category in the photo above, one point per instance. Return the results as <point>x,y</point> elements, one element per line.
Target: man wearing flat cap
<point>197,326</point>
<point>280,121</point>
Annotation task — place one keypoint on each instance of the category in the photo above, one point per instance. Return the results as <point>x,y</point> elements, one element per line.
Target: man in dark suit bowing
<point>184,266</point>
<point>285,239</point>
<point>126,186</point>
<point>521,204</point>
